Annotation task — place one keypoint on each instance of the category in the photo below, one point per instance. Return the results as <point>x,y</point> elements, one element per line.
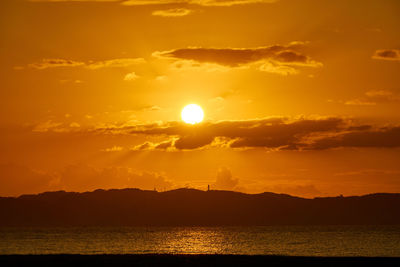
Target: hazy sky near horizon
<point>300,96</point>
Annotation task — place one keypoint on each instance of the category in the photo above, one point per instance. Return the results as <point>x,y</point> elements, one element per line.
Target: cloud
<point>234,57</point>
<point>113,149</point>
<point>185,65</point>
<point>272,67</point>
<point>55,63</point>
<point>165,2</point>
<point>268,133</point>
<point>388,137</point>
<point>46,126</point>
<point>144,146</point>
<point>56,127</point>
<point>71,81</point>
<point>130,76</point>
<point>273,134</point>
<point>224,180</point>
<point>161,78</point>
<point>373,97</point>
<point>379,93</point>
<point>382,95</point>
<point>282,59</point>
<point>93,65</point>
<point>164,145</point>
<point>142,108</point>
<point>74,125</point>
<point>174,12</point>
<point>115,63</point>
<point>387,54</point>
<point>359,102</point>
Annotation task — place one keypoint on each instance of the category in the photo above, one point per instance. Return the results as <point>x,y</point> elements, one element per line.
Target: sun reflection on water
<point>193,241</point>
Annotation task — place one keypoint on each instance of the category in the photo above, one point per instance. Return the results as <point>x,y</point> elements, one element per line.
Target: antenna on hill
<point>208,188</point>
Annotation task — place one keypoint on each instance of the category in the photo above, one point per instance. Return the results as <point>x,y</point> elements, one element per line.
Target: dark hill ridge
<point>134,207</point>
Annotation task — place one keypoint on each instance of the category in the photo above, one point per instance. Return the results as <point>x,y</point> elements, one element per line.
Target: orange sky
<point>300,96</point>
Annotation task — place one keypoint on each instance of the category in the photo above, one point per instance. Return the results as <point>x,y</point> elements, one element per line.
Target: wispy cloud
<point>93,65</point>
<point>46,126</point>
<point>373,97</point>
<point>131,76</point>
<point>113,149</point>
<point>174,12</point>
<point>359,102</point>
<point>55,63</point>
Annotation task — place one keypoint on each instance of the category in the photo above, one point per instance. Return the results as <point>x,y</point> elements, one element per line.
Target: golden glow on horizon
<point>192,114</point>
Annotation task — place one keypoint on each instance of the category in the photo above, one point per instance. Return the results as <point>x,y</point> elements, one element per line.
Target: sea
<point>263,240</point>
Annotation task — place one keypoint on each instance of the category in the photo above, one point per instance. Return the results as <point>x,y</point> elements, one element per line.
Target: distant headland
<point>191,207</point>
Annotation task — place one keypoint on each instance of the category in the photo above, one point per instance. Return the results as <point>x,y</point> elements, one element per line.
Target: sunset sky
<point>299,96</point>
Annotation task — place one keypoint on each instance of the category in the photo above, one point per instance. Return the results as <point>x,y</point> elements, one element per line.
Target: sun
<point>192,114</point>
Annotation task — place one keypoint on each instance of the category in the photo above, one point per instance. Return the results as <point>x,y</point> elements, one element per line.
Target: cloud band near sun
<point>269,133</point>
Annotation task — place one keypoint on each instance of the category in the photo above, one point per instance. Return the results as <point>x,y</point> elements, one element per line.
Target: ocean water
<point>282,240</point>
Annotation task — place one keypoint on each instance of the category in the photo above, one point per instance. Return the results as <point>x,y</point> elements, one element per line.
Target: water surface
<point>282,240</point>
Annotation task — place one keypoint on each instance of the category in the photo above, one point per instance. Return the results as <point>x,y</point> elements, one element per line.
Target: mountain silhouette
<point>183,207</point>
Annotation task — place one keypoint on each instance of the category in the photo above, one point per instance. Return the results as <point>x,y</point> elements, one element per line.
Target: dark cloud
<point>193,141</point>
<point>269,133</point>
<point>275,133</point>
<point>234,57</point>
<point>277,58</point>
<point>383,137</point>
<point>387,54</point>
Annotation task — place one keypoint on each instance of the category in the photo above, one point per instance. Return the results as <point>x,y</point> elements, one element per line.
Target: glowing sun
<point>192,114</point>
